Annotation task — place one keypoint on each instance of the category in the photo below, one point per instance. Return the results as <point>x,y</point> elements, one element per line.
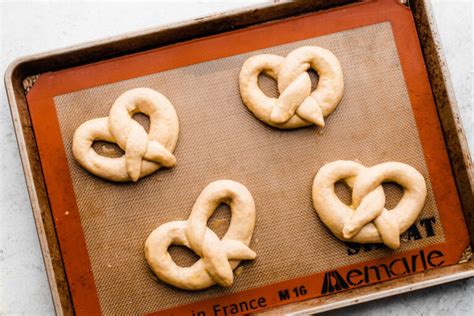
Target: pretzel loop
<point>367,220</point>
<point>218,256</point>
<point>144,152</point>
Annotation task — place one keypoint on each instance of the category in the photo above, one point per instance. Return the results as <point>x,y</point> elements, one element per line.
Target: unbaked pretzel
<point>218,256</point>
<point>296,106</point>
<point>144,152</point>
<point>366,220</point>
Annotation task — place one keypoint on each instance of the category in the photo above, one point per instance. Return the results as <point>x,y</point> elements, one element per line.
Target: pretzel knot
<point>366,220</point>
<point>144,152</point>
<point>296,106</point>
<point>218,256</point>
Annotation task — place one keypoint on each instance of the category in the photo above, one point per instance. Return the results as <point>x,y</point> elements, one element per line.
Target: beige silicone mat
<point>221,139</point>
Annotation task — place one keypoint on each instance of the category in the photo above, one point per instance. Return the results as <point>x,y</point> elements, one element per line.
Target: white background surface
<point>27,28</point>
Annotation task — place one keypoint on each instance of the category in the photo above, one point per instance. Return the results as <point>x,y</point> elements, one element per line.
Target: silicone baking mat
<point>220,139</point>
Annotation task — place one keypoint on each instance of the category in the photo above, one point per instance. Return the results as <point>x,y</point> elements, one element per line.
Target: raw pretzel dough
<point>218,256</point>
<point>144,152</point>
<point>296,106</point>
<point>366,220</point>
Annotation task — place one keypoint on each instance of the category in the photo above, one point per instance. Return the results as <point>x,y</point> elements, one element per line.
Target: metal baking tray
<point>23,73</point>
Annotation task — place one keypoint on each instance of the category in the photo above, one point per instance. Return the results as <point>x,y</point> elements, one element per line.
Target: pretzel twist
<point>218,256</point>
<point>366,220</point>
<point>144,152</point>
<point>296,106</point>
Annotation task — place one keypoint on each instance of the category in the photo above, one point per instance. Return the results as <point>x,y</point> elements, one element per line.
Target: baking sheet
<point>221,139</point>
